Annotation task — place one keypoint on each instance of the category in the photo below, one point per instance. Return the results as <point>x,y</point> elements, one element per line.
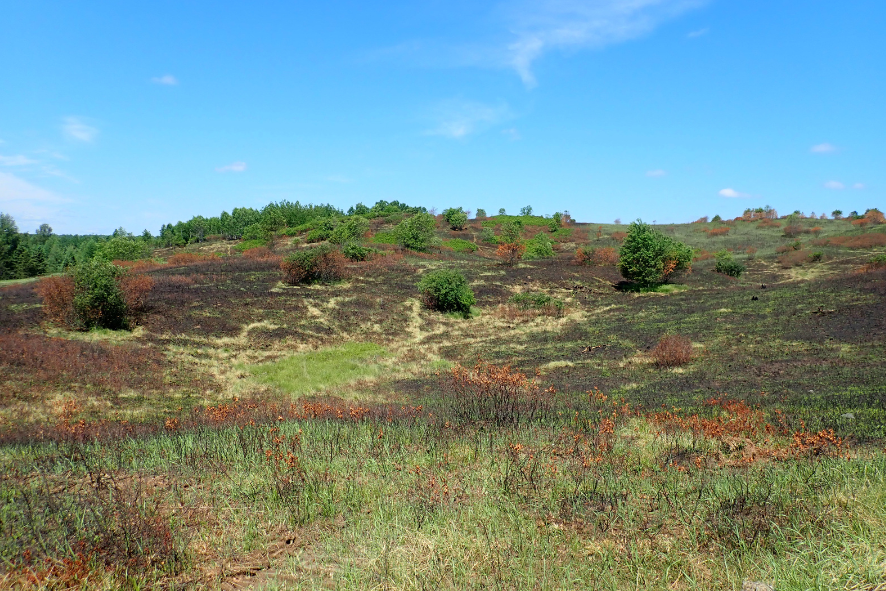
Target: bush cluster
<point>416,232</point>
<point>727,265</point>
<point>351,229</point>
<point>648,257</point>
<point>446,290</point>
<point>321,263</point>
<point>456,217</point>
<point>539,247</point>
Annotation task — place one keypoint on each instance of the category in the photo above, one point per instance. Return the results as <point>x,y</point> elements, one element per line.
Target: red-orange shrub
<point>135,288</point>
<point>869,240</point>
<point>58,298</point>
<point>703,255</point>
<point>601,257</point>
<point>510,252</point>
<point>750,251</point>
<point>260,253</point>
<point>619,236</point>
<point>816,230</point>
<point>315,264</point>
<point>794,258</point>
<point>860,222</point>
<point>875,217</point>
<point>717,232</point>
<point>494,394</point>
<point>672,350</point>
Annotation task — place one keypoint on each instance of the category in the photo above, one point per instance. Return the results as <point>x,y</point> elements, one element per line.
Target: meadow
<point>574,432</point>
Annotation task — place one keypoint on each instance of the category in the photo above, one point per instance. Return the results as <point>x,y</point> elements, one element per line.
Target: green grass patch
<point>306,373</point>
<point>247,244</point>
<point>384,237</point>
<point>459,245</point>
<point>528,220</point>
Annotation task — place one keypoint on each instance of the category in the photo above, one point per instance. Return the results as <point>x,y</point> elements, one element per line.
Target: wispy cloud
<point>511,133</point>
<point>76,129</point>
<point>459,118</point>
<point>835,185</point>
<point>232,167</point>
<point>28,202</point>
<point>824,148</point>
<point>733,194</point>
<point>859,186</point>
<point>698,33</point>
<point>17,160</point>
<point>549,25</point>
<point>656,173</point>
<point>166,80</point>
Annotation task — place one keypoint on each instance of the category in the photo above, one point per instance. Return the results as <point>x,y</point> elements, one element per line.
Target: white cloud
<point>166,80</point>
<point>75,129</point>
<point>656,173</point>
<point>733,194</point>
<point>547,25</point>
<point>859,186</point>
<point>824,148</point>
<point>17,160</point>
<point>27,202</point>
<point>511,133</point>
<point>698,33</point>
<point>835,185</point>
<point>232,167</point>
<point>458,118</point>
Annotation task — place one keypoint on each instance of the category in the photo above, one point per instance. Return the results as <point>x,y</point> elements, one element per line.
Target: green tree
<point>456,218</point>
<point>98,300</point>
<point>501,211</point>
<point>121,248</point>
<point>648,257</point>
<point>447,290</point>
<point>526,211</point>
<point>416,232</point>
<point>349,230</point>
<point>511,231</point>
<point>481,214</point>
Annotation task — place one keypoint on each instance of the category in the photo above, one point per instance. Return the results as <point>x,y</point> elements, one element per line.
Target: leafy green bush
<point>488,236</point>
<point>122,249</point>
<point>351,229</point>
<point>384,237</point>
<point>322,230</point>
<point>727,265</point>
<point>481,214</point>
<point>816,256</point>
<point>355,252</point>
<point>459,245</point>
<point>511,231</point>
<point>539,247</point>
<point>556,222</point>
<point>648,257</point>
<point>446,290</point>
<point>529,300</point>
<point>417,232</point>
<point>321,263</point>
<point>98,299</point>
<point>456,218</point>
<point>256,232</point>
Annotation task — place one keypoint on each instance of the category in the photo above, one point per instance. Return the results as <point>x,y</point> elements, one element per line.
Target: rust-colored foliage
<point>619,236</point>
<point>750,251</point>
<point>510,252</point>
<point>816,230</point>
<point>135,288</point>
<point>875,217</point>
<point>860,222</point>
<point>600,257</point>
<point>672,350</point>
<point>794,230</point>
<point>768,223</point>
<point>326,266</point>
<point>58,298</point>
<point>794,258</point>
<point>701,220</point>
<point>494,394</point>
<point>869,240</point>
<point>717,232</point>
<point>261,253</point>
<point>822,443</point>
<point>703,255</point>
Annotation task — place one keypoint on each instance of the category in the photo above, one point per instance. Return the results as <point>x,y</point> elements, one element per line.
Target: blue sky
<point>139,114</point>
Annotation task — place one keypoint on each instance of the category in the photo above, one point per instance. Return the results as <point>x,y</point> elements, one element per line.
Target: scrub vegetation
<point>685,406</point>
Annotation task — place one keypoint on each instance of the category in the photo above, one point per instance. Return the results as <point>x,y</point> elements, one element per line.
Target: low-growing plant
<point>672,350</point>
<point>538,247</point>
<point>446,290</point>
<point>727,265</point>
<point>488,236</point>
<point>320,263</point>
<point>355,252</point>
<point>601,257</point>
<point>460,245</point>
<point>536,300</point>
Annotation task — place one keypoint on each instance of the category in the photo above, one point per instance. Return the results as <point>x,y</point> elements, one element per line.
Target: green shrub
<point>385,237</point>
<point>456,218</point>
<point>417,232</point>
<point>648,257</point>
<point>355,252</point>
<point>446,290</point>
<point>539,247</point>
<point>727,265</point>
<point>247,244</point>
<point>98,299</point>
<point>321,263</point>
<point>352,228</point>
<point>556,222</point>
<point>511,231</point>
<point>256,232</point>
<point>481,214</point>
<point>488,236</point>
<point>459,245</point>
<point>816,256</point>
<point>530,300</point>
<point>122,248</point>
<point>879,259</point>
<point>322,230</point>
